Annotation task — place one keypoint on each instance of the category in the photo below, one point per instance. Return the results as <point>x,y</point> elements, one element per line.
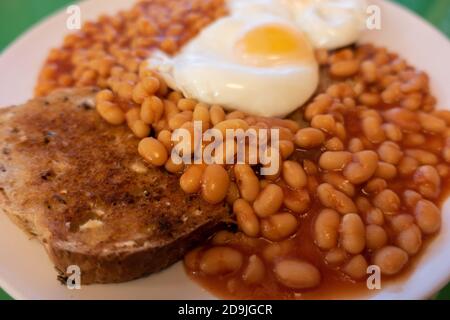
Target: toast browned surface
<point>79,185</point>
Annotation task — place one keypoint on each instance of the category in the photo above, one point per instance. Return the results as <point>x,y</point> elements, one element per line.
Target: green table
<point>18,15</point>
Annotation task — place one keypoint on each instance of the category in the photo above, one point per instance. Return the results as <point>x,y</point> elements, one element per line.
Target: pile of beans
<point>362,187</point>
<point>107,53</point>
<point>363,166</point>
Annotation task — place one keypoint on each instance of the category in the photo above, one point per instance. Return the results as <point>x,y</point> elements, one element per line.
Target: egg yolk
<point>270,45</point>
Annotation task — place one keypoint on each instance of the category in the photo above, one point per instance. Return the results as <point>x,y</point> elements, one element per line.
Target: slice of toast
<point>79,186</point>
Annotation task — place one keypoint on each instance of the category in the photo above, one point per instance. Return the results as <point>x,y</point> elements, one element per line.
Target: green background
<point>18,15</point>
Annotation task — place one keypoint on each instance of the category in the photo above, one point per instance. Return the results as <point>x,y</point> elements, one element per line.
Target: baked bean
<point>431,123</point>
<point>322,56</point>
<point>186,104</point>
<point>369,99</point>
<point>352,233</point>
<point>132,115</point>
<point>276,250</point>
<point>152,109</point>
<point>192,259</point>
<point>268,201</point>
<point>110,112</point>
<point>153,151</point>
<point>412,101</point>
<point>286,149</point>
<point>215,183</point>
<point>392,93</point>
<point>344,68</point>
<point>369,71</point>
<point>356,268</point>
<point>424,157</point>
<point>220,261</point>
<point>290,124</point>
<point>403,118</point>
<point>191,179</point>
<point>442,114</point>
<point>150,84</point>
<point>235,115</point>
<point>233,124</point>
<point>326,229</point>
<point>355,145</point>
<point>428,216</point>
<point>340,131</point>
<point>362,167</point>
<point>177,120</point>
<point>104,95</point>
<point>375,216</point>
<point>170,109</point>
<point>309,138</point>
<point>339,182</point>
<point>386,171</point>
<point>410,240</point>
<point>201,113</point>
<point>140,128</point>
<point>247,182</point>
<point>334,144</point>
<point>443,170</point>
<point>139,93</point>
<point>297,274</point>
<point>297,201</point>
<point>376,237</point>
<point>372,129</point>
<point>428,181</point>
<point>336,256</point>
<point>171,167</point>
<point>390,259</point>
<point>388,201</point>
<point>255,271</point>
<point>446,152</point>
<point>411,198</point>
<point>375,185</point>
<point>293,174</point>
<point>390,152</point>
<point>319,106</point>
<point>393,132</point>
<point>278,226</point>
<point>401,222</point>
<point>313,183</point>
<point>413,140</point>
<point>125,91</point>
<point>324,122</point>
<point>217,114</point>
<point>165,137</point>
<point>408,166</point>
<point>223,237</point>
<point>247,220</point>
<point>175,96</point>
<point>334,160</point>
<point>284,133</point>
<point>233,193</point>
<point>264,183</point>
<point>334,199</point>
<point>310,167</point>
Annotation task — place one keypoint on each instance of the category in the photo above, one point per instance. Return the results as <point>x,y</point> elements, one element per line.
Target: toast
<point>78,185</point>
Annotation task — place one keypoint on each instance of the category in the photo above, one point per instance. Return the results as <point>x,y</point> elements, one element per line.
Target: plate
<point>27,273</point>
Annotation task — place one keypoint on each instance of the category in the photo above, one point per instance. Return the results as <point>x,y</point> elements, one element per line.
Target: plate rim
<point>49,18</point>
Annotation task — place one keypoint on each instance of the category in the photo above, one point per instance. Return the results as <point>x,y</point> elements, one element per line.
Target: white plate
<point>25,270</point>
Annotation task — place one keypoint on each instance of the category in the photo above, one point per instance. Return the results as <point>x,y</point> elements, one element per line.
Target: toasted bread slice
<point>79,186</point>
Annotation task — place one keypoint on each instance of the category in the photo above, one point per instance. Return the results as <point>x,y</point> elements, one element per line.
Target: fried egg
<point>257,60</point>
